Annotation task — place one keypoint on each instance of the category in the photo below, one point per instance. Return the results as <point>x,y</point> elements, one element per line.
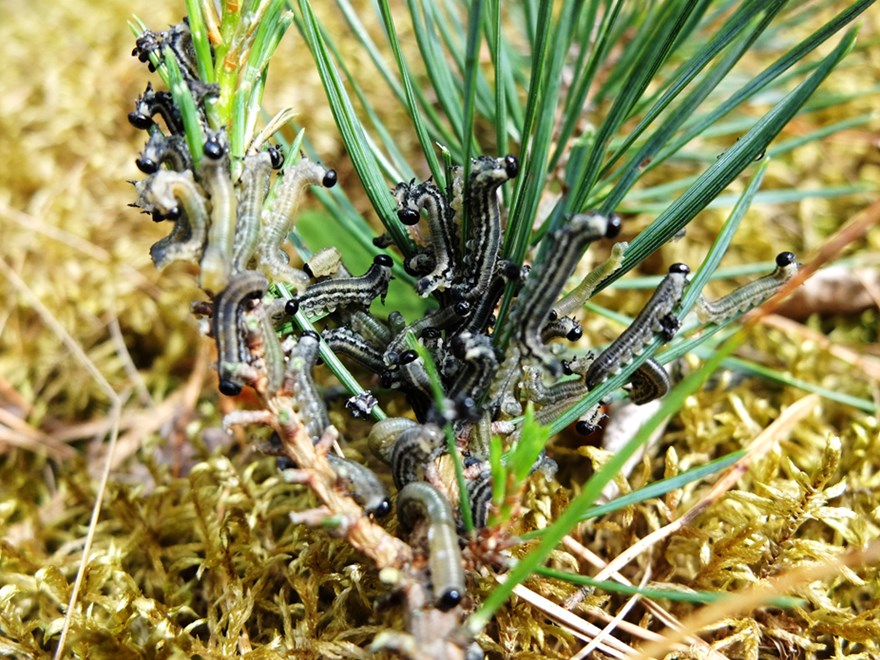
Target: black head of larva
<point>462,308</point>
<point>147,165</point>
<point>584,428</point>
<point>140,120</point>
<point>575,333</point>
<point>276,158</point>
<point>383,260</point>
<point>431,333</point>
<point>449,599</point>
<point>566,368</point>
<point>408,356</point>
<point>214,148</point>
<point>382,509</point>
<point>784,259</point>
<point>511,166</point>
<point>229,388</point>
<point>291,307</point>
<point>408,216</point>
<point>614,225</point>
<point>683,269</point>
<point>329,179</point>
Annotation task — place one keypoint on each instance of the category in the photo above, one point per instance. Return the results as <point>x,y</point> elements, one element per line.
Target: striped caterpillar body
<point>216,263</point>
<point>532,308</point>
<point>655,318</point>
<point>574,300</point>
<point>362,483</point>
<point>300,384</point>
<point>487,175</point>
<point>176,195</point>
<point>421,501</point>
<point>650,381</point>
<point>278,218</point>
<point>749,295</point>
<point>227,328</point>
<point>253,187</point>
<point>329,295</point>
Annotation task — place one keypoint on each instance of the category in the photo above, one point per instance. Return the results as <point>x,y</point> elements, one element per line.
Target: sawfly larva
<point>749,295</point>
<point>655,318</point>
<point>226,324</point>
<point>420,500</point>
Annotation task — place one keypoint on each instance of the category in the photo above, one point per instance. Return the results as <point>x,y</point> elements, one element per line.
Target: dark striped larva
<point>575,299</point>
<point>227,328</point>
<point>440,319</point>
<point>444,243</point>
<point>362,483</point>
<point>153,103</point>
<point>749,295</point>
<point>384,435</point>
<point>414,448</point>
<point>300,384</point>
<point>482,315</point>
<point>278,219</point>
<point>566,327</point>
<point>501,392</point>
<point>420,500</point>
<point>414,378</point>
<point>349,343</point>
<point>480,364</point>
<point>655,318</point>
<point>164,149</point>
<point>327,296</point>
<point>217,260</point>
<point>650,381</point>
<point>545,282</point>
<point>272,355</point>
<point>374,331</point>
<point>177,195</point>
<point>486,176</point>
<point>479,493</point>
<point>253,187</point>
<point>535,390</point>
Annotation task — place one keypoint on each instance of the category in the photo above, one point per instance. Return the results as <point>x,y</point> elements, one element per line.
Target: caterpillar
<point>278,218</point>
<point>576,298</point>
<point>419,500</point>
<point>217,260</point>
<point>655,317</point>
<point>650,381</point>
<point>300,384</point>
<point>328,295</point>
<point>349,343</point>
<point>544,283</point>
<point>176,195</point>
<point>362,484</point>
<point>486,176</point>
<point>253,187</point>
<point>227,328</point>
<point>444,243</point>
<point>749,295</point>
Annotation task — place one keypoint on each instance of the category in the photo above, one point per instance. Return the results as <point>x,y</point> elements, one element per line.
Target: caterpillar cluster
<point>234,227</point>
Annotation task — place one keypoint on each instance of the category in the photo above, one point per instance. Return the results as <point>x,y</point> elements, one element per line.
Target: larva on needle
<point>655,318</point>
<point>749,295</point>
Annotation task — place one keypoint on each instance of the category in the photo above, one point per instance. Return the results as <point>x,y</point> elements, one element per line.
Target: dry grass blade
<point>761,594</point>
